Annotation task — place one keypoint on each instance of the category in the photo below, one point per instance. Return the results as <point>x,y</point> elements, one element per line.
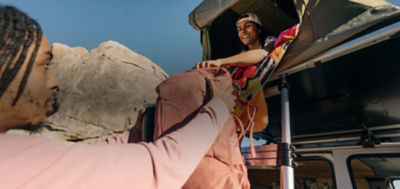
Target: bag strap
<point>249,126</point>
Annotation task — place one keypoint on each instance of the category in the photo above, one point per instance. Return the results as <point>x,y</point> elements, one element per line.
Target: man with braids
<point>21,39</point>
<point>27,95</point>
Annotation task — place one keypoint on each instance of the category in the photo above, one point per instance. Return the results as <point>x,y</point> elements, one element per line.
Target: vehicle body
<point>344,73</point>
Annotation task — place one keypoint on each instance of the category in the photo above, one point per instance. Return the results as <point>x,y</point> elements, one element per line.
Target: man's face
<point>38,97</point>
<point>248,32</point>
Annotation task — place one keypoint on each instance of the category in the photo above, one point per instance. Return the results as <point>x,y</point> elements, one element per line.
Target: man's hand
<point>139,121</point>
<point>225,93</point>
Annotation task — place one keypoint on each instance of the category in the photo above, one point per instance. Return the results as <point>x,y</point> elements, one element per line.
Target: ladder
<point>280,154</point>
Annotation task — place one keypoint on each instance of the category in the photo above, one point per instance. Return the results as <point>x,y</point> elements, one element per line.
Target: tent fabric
<point>308,45</point>
<point>207,11</point>
<point>323,24</point>
<point>371,3</point>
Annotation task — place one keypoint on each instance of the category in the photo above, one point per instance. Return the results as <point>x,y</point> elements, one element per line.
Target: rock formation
<point>101,91</point>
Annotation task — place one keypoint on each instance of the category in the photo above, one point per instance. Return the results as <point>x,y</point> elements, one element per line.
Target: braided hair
<point>17,33</point>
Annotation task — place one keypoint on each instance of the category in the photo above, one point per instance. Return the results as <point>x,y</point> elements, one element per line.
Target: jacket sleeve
<point>34,162</point>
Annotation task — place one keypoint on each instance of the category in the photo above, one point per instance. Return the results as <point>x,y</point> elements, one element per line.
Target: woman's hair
<point>17,33</point>
<point>263,34</point>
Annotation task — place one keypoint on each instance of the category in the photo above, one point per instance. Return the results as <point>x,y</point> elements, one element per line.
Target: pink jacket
<point>34,162</point>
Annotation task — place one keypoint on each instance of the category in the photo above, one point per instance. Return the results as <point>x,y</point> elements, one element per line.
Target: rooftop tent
<point>323,24</point>
<point>351,90</point>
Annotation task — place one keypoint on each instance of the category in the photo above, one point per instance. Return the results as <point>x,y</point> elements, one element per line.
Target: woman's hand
<point>208,64</point>
<point>250,57</point>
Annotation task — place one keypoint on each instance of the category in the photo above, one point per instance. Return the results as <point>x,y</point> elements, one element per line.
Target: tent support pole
<point>287,171</point>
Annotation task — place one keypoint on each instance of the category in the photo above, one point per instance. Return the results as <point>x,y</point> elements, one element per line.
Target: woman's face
<point>248,34</point>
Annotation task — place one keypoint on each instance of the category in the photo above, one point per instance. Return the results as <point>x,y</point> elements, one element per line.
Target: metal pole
<point>287,172</point>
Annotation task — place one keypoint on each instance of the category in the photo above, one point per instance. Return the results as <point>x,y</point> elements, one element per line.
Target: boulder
<point>101,91</point>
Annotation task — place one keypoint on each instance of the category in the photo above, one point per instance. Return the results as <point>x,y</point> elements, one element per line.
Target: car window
<point>375,171</point>
<point>313,173</point>
<point>395,183</point>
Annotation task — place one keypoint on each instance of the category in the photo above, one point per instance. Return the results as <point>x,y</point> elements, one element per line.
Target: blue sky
<point>157,29</point>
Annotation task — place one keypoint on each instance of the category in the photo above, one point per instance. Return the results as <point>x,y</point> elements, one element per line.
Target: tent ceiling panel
<point>308,45</point>
<point>341,10</point>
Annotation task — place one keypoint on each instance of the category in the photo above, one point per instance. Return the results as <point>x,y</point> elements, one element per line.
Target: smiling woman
<point>27,88</point>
